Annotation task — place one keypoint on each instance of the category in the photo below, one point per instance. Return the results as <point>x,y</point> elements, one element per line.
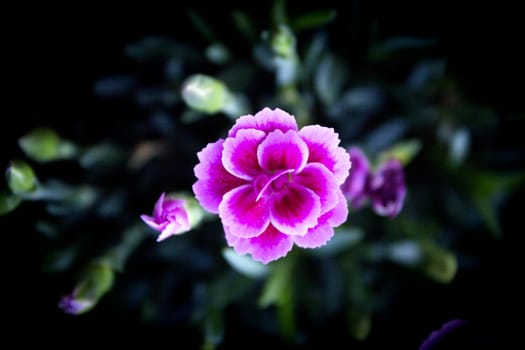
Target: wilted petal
<point>319,179</point>
<point>282,151</point>
<point>268,246</point>
<point>266,120</point>
<point>213,179</point>
<point>243,214</point>
<point>323,148</point>
<point>239,155</point>
<point>294,210</point>
<point>354,188</point>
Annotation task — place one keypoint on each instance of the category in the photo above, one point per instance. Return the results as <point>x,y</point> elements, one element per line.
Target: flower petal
<point>266,120</point>
<point>294,210</point>
<point>387,189</point>
<point>282,151</point>
<point>157,211</point>
<point>319,179</point>
<point>213,179</point>
<point>239,155</point>
<point>268,246</point>
<point>173,228</point>
<point>323,148</point>
<point>315,237</point>
<point>324,231</point>
<point>150,221</point>
<point>242,213</point>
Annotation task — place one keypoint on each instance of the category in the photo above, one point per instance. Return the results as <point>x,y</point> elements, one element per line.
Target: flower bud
<point>45,145</point>
<point>20,177</point>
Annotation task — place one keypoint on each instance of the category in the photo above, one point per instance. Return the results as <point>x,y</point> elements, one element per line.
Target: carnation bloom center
<point>265,185</point>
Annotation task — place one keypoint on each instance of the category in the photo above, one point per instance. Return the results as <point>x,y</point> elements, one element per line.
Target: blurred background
<point>55,57</point>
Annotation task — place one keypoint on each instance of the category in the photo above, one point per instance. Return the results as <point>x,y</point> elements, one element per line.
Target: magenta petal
<point>158,209</point>
<point>268,246</point>
<point>339,214</point>
<point>319,179</point>
<point>315,237</point>
<point>213,179</point>
<point>323,148</point>
<point>294,210</point>
<point>266,120</point>
<point>323,232</point>
<point>239,155</point>
<point>243,214</point>
<point>282,151</point>
<point>150,221</point>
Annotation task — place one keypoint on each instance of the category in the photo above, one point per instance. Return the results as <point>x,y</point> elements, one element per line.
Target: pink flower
<point>170,217</point>
<point>273,185</point>
<point>355,186</point>
<point>386,188</point>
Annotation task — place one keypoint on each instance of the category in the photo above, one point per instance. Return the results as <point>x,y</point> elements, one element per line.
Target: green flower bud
<point>20,177</point>
<point>95,283</point>
<point>205,94</point>
<point>283,42</point>
<point>44,145</point>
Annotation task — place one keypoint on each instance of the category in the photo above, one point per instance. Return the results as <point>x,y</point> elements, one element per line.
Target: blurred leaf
<point>279,12</point>
<point>426,74</point>
<point>359,323</point>
<point>330,77</point>
<point>156,47</point>
<point>488,190</point>
<point>60,259</point>
<point>217,53</point>
<point>357,100</point>
<point>406,253</point>
<point>20,177</point>
<point>313,19</point>
<point>313,54</point>
<point>244,264</point>
<point>385,135</point>
<point>404,151</point>
<point>244,25</point>
<point>102,154</point>
<point>213,329</point>
<point>343,239</point>
<point>384,50</point>
<point>8,202</point>
<point>277,291</point>
<point>44,145</point>
<point>201,26</point>
<point>114,86</point>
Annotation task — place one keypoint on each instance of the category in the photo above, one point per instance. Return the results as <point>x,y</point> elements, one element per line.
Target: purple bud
<point>354,188</point>
<point>386,188</point>
<point>170,217</point>
<point>70,304</point>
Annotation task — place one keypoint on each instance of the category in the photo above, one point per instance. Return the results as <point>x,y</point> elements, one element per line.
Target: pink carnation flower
<point>170,217</point>
<point>273,185</point>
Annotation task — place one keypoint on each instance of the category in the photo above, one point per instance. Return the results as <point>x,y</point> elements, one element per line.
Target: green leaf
<point>386,49</point>
<point>44,145</point>
<point>404,151</point>
<point>202,27</point>
<point>244,264</point>
<point>20,177</point>
<point>313,19</point>
<point>359,323</point>
<point>8,202</point>
<point>213,329</point>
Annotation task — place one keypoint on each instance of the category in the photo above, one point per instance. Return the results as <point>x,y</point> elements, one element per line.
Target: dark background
<point>55,54</point>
